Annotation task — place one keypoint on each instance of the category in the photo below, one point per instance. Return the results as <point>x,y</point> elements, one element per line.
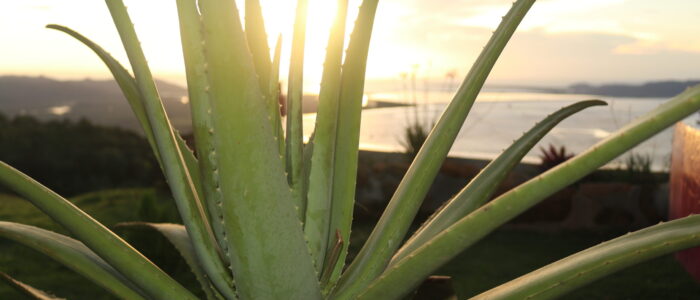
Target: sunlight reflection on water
<point>498,119</point>
<point>60,110</point>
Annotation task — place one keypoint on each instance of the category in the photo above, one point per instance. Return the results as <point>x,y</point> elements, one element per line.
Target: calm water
<point>496,119</point>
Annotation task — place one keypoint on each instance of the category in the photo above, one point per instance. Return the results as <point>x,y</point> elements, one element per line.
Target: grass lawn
<point>508,254</point>
<point>108,207</point>
<point>504,255</point>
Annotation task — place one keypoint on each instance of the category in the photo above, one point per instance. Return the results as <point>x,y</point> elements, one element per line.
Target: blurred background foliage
<point>74,157</point>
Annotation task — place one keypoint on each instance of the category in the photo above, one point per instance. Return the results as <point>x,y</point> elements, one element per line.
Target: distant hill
<point>654,89</point>
<point>100,101</point>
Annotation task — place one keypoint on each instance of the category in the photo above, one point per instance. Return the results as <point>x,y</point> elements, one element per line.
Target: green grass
<point>109,207</point>
<point>500,257</point>
<point>508,254</point>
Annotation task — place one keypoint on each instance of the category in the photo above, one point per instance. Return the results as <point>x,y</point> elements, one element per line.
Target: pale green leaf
<point>485,183</point>
<point>321,167</point>
<point>270,259</point>
<point>274,99</point>
<point>257,42</point>
<point>72,254</point>
<point>347,137</point>
<point>26,289</point>
<point>200,104</point>
<point>295,93</point>
<point>178,237</point>
<point>125,81</point>
<point>176,172</point>
<point>127,84</point>
<point>403,206</point>
<point>558,278</point>
<point>120,255</point>
<point>419,264</point>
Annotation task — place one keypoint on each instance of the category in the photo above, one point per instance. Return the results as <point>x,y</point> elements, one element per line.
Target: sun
<point>279,19</point>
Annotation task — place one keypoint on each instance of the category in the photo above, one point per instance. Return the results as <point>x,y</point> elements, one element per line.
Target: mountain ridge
<point>102,102</point>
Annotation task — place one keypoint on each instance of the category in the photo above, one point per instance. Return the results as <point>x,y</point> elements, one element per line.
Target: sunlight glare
<point>279,19</point>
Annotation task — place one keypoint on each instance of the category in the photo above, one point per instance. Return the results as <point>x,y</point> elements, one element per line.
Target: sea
<point>497,118</point>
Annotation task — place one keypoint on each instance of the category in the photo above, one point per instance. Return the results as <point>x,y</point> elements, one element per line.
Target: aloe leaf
<point>579,269</point>
<point>482,187</point>
<point>257,42</point>
<point>127,84</point>
<point>331,260</point>
<point>72,254</point>
<point>115,251</point>
<point>200,104</point>
<point>178,237</point>
<point>403,206</point>
<point>191,163</point>
<point>125,81</point>
<point>419,264</point>
<point>26,289</point>
<point>175,169</point>
<point>321,167</point>
<point>270,259</point>
<point>347,136</point>
<point>306,160</point>
<point>274,99</point>
<point>295,133</point>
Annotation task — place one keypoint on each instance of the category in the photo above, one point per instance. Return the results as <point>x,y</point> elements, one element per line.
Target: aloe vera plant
<point>267,217</point>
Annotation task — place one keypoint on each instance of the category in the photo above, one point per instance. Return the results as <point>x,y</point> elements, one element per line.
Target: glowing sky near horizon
<point>559,42</point>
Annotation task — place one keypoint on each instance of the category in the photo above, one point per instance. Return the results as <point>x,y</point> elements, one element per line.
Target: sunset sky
<point>560,41</point>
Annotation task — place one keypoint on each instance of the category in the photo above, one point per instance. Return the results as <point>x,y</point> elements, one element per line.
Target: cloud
<point>559,41</point>
<point>593,57</point>
<point>650,46</point>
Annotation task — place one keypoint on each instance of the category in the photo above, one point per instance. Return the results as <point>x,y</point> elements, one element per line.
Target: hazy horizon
<point>434,82</point>
<point>560,42</point>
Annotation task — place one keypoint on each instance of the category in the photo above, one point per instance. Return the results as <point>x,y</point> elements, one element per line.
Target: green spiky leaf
<point>125,81</point>
<point>403,206</point>
<point>419,264</point>
<point>485,183</point>
<point>200,104</point>
<point>257,42</point>
<point>98,238</point>
<point>128,86</point>
<point>269,255</point>
<point>322,163</point>
<point>295,93</point>
<point>72,254</point>
<point>177,235</point>
<point>558,278</point>
<point>27,290</point>
<point>176,171</point>
<point>274,99</point>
